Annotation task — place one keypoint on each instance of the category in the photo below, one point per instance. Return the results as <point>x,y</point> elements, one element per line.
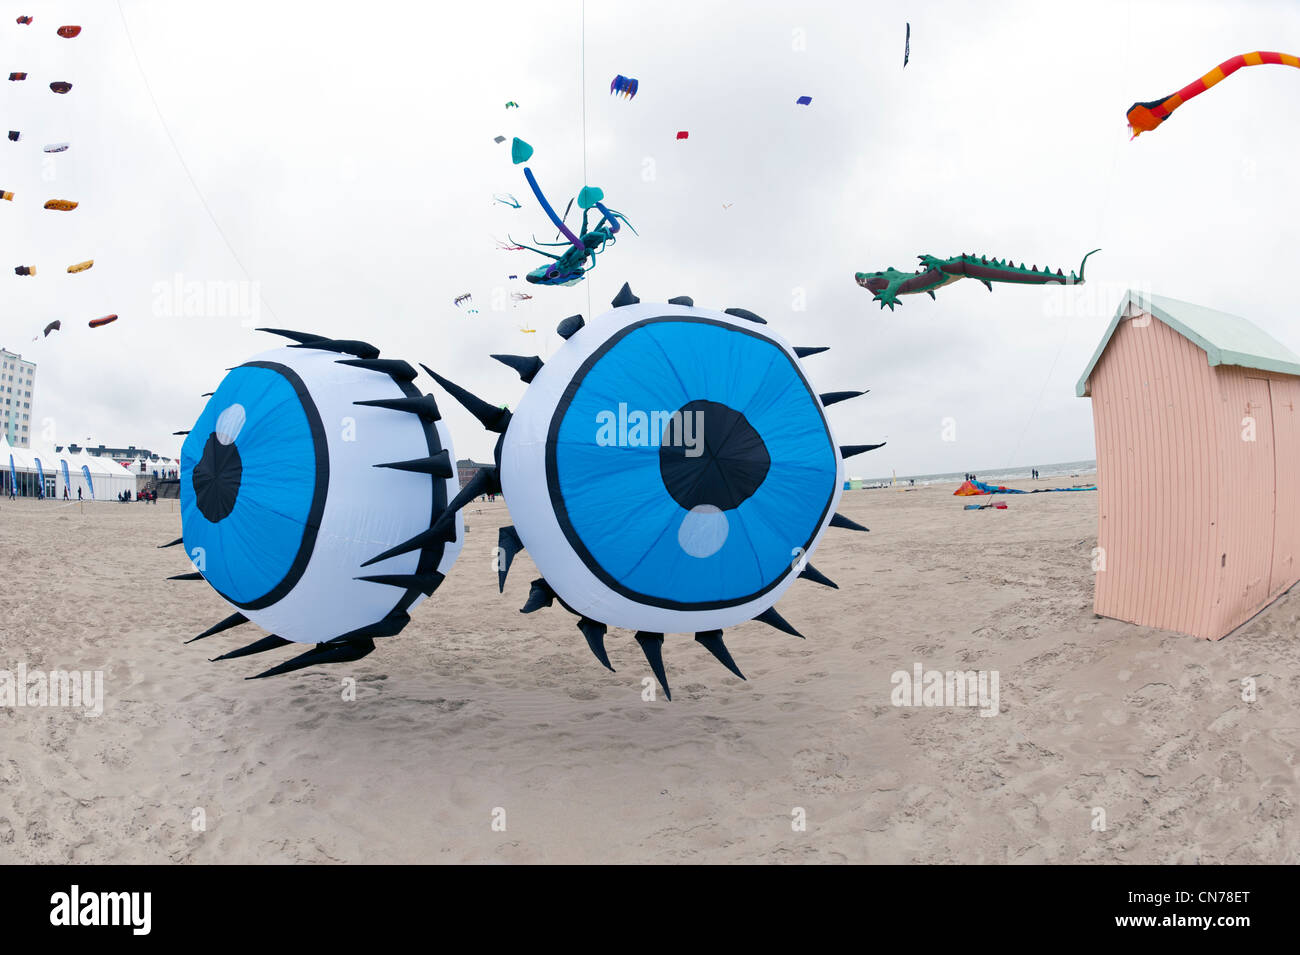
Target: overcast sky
<point>345,149</point>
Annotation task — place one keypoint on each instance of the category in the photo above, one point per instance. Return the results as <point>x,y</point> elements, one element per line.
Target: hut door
<point>1259,489</point>
<point>1285,395</point>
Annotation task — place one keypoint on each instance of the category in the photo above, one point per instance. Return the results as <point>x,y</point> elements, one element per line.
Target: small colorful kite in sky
<point>683,134</point>
<point>624,85</point>
<point>804,101</point>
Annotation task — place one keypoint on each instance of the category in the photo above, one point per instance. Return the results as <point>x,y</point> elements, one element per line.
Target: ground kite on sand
<point>973,488</point>
<point>99,322</point>
<point>669,470</point>
<point>280,511</point>
<point>1144,117</point>
<point>935,273</point>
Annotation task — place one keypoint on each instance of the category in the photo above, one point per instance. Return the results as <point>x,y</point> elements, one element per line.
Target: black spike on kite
<point>344,346</point>
<point>439,465</point>
<point>509,544</point>
<point>746,314</point>
<point>418,542</point>
<point>652,645</point>
<point>484,481</point>
<point>569,327</point>
<point>839,520</point>
<point>816,576</point>
<point>831,397</point>
<point>624,297</point>
<point>489,415</point>
<point>179,540</point>
<point>424,583</point>
<point>848,450</point>
<point>299,337</point>
<point>194,576</point>
<point>425,406</point>
<point>343,652</point>
<point>234,620</point>
<point>177,434</point>
<point>394,368</point>
<point>594,631</point>
<point>682,300</point>
<point>257,646</point>
<point>774,619</point>
<point>540,595</point>
<point>711,640</point>
<point>526,367</point>
<point>803,351</point>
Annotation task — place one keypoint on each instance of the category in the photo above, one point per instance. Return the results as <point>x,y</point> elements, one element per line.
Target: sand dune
<point>477,707</point>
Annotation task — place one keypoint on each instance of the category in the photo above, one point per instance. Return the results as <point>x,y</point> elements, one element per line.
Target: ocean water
<point>1064,469</point>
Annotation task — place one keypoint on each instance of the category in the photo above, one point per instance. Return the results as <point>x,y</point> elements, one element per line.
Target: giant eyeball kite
<point>669,470</point>
<point>306,463</point>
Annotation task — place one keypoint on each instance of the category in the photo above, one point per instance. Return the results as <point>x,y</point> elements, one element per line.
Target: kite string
<point>583,93</point>
<point>181,159</point>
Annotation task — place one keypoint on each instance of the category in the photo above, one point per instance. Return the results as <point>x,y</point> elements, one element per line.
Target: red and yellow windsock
<point>1144,117</point>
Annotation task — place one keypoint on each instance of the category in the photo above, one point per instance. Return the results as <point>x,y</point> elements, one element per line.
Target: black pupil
<point>217,478</point>
<point>710,454</point>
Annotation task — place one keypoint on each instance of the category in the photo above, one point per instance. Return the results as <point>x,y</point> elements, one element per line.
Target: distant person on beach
<point>78,494</point>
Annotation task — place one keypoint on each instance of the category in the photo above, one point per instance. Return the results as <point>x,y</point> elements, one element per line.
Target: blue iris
<point>255,470</point>
<point>611,496</point>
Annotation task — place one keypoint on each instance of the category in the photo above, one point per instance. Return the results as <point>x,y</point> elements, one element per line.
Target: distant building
<point>17,379</point>
<point>139,460</point>
<point>466,469</point>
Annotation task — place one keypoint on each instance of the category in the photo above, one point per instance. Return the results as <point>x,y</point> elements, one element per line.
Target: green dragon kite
<point>934,273</point>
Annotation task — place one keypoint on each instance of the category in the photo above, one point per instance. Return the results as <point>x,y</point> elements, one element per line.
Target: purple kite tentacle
<point>613,222</point>
<point>559,223</point>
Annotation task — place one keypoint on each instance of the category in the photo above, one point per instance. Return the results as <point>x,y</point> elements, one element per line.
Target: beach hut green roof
<point>1225,339</point>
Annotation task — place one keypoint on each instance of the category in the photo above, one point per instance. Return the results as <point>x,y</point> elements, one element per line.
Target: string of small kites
<point>60,87</point>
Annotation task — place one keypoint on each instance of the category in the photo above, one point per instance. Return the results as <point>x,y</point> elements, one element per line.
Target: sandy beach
<point>476,708</point>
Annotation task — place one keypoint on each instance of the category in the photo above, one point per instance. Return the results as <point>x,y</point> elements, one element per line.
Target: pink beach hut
<point>1197,419</point>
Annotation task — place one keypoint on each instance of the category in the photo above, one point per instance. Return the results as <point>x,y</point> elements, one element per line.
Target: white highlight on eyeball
<point>229,423</point>
<point>703,531</point>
